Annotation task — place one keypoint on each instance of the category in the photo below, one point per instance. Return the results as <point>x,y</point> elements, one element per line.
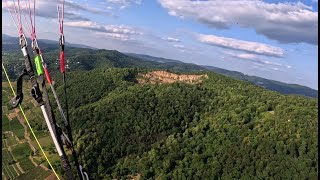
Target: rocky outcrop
<point>167,77</point>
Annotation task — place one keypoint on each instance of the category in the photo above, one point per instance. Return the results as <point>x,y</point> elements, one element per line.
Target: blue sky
<point>272,39</point>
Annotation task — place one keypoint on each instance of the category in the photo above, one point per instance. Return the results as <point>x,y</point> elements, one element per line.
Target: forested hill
<point>266,83</point>
<point>11,44</point>
<point>214,128</point>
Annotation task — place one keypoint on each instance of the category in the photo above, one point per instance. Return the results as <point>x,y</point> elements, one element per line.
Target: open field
<point>16,162</point>
<point>39,134</point>
<point>36,173</point>
<point>21,151</point>
<point>15,124</point>
<point>11,140</point>
<point>7,164</point>
<point>26,164</point>
<point>5,123</point>
<point>19,133</point>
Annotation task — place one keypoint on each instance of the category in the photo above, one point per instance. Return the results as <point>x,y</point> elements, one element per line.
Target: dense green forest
<point>221,128</point>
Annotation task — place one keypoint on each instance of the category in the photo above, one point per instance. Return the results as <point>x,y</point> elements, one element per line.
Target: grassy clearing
<point>15,124</point>
<point>53,158</point>
<point>19,133</point>
<point>36,173</point>
<point>45,142</point>
<point>26,164</point>
<point>4,109</point>
<point>11,140</point>
<point>8,125</point>
<point>39,134</point>
<point>37,159</point>
<point>5,123</point>
<point>5,97</point>
<point>6,156</point>
<point>4,119</point>
<point>21,151</point>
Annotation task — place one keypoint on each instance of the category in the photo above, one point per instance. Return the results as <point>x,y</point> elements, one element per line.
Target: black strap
<point>66,166</point>
<point>19,95</point>
<point>35,91</point>
<point>58,132</point>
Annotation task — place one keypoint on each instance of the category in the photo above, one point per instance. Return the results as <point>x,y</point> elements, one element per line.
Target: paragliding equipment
<point>56,133</point>
<point>81,173</point>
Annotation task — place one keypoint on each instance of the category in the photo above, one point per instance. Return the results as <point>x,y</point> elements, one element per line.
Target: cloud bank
<point>235,44</point>
<point>283,21</point>
<point>121,32</point>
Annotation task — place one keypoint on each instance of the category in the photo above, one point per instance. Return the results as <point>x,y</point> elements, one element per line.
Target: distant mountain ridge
<point>90,58</point>
<point>266,83</point>
<point>10,43</point>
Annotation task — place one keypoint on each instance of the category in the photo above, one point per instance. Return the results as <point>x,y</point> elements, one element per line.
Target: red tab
<point>62,61</point>
<point>47,75</point>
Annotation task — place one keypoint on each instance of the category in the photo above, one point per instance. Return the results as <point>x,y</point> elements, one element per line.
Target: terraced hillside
<point>21,158</point>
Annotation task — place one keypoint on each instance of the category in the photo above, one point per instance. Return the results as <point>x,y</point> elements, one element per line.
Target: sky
<point>273,39</point>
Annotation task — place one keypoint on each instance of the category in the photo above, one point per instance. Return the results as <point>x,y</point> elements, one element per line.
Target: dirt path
<point>5,143</point>
<point>51,177</point>
<point>21,120</point>
<point>44,167</point>
<point>19,167</point>
<point>4,177</point>
<point>11,115</point>
<point>4,109</point>
<point>34,163</point>
<point>14,159</point>
<point>26,134</point>
<point>27,137</point>
<point>17,171</point>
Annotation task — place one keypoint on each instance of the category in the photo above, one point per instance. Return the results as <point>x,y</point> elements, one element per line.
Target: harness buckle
<point>61,42</point>
<point>35,47</point>
<point>36,93</point>
<point>15,101</point>
<point>23,41</point>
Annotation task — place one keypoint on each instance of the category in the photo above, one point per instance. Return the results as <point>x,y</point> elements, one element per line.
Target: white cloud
<point>315,1</point>
<point>122,32</point>
<point>48,9</point>
<point>123,3</point>
<point>171,39</point>
<point>248,46</point>
<point>179,46</point>
<point>247,56</point>
<point>122,37</point>
<point>83,24</point>
<point>285,22</point>
<point>272,63</point>
<point>256,59</point>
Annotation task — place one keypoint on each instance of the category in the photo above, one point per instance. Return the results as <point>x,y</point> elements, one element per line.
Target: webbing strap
<point>19,97</point>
